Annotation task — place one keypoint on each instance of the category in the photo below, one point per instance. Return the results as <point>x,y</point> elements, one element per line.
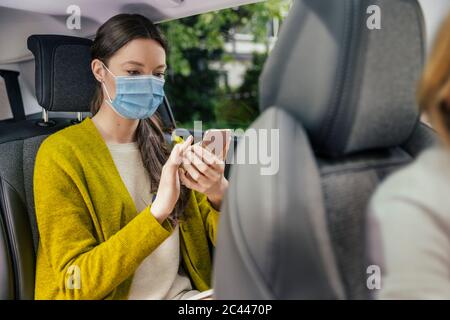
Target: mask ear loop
<point>108,70</point>
<point>107,93</point>
<point>110,101</point>
<point>104,85</point>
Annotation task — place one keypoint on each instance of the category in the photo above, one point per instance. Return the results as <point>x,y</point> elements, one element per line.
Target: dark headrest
<point>351,87</point>
<point>64,80</point>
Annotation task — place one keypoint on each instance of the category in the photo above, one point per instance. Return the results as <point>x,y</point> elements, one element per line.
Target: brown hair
<point>110,37</point>
<point>434,89</point>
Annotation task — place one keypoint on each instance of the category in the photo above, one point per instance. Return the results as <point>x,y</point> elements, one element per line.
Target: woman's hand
<point>169,184</point>
<point>204,172</point>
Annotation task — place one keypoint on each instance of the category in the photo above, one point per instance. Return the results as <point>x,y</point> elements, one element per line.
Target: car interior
<point>344,126</point>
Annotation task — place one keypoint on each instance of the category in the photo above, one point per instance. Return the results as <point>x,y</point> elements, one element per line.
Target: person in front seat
<point>119,214</point>
<point>412,208</point>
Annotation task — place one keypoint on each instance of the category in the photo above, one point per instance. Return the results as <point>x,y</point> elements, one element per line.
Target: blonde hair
<point>434,89</point>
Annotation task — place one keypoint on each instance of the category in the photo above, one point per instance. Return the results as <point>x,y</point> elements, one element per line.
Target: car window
<point>215,60</point>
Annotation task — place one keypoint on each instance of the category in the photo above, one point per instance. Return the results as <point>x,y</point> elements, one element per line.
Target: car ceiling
<point>20,19</point>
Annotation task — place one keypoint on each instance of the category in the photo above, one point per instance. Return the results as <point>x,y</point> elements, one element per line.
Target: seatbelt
<point>14,94</point>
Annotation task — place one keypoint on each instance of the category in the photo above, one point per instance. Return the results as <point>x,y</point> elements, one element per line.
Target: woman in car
<point>121,214</point>
<point>412,208</point>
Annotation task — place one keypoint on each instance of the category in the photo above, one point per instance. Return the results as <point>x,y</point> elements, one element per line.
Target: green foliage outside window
<point>195,89</point>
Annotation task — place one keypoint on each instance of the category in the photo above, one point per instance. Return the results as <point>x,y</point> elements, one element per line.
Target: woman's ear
<point>98,70</point>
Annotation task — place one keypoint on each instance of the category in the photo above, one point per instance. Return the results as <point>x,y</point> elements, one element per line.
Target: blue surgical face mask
<point>137,97</point>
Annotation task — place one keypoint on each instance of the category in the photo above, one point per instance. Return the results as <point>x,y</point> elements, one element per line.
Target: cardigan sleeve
<point>210,216</point>
<point>68,238</point>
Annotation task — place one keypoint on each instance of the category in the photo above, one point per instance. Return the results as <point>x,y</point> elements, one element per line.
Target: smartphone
<point>217,141</point>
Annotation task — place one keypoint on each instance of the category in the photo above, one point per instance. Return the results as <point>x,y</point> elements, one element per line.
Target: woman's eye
<point>133,72</point>
<point>160,75</point>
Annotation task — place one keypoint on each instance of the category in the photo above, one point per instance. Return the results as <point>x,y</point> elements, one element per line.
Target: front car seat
<point>342,97</point>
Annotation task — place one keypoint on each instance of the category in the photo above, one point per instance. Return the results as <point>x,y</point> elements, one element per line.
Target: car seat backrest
<point>352,88</point>
<point>64,80</point>
<point>341,95</point>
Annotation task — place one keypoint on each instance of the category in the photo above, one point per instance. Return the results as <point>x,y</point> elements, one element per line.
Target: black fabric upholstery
<point>6,268</point>
<point>29,128</point>
<point>64,81</point>
<point>30,149</point>
<point>15,203</point>
<point>352,88</point>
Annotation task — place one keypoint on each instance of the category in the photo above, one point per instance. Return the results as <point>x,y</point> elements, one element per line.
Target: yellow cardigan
<point>92,239</point>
